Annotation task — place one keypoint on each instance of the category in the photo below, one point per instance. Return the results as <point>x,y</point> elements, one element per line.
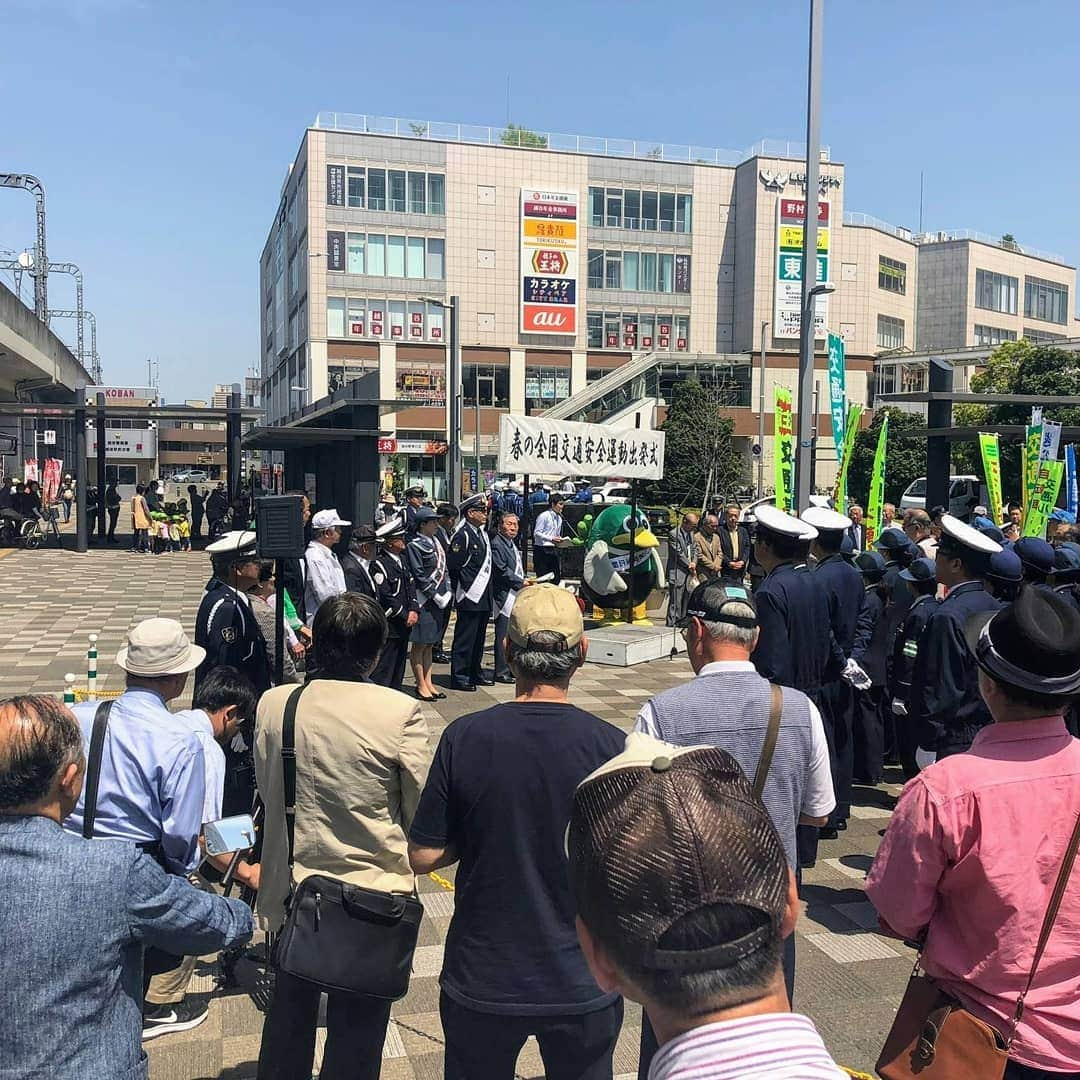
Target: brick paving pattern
<point>849,978</point>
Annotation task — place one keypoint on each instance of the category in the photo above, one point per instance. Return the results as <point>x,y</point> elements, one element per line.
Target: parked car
<point>962,489</point>
<point>748,517</point>
<point>194,476</point>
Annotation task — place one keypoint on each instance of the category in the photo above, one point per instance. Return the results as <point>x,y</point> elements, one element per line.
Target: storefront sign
<point>123,395</point>
<point>530,444</point>
<point>335,251</point>
<point>387,445</point>
<point>775,180</point>
<point>139,444</point>
<point>682,273</point>
<point>549,258</point>
<point>335,185</point>
<point>787,307</point>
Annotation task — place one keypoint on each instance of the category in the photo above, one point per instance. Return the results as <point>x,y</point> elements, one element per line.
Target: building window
<point>414,265</point>
<point>890,332</point>
<point>614,208</point>
<point>356,187</point>
<point>335,316</point>
<point>490,381</point>
<point>596,269</point>
<point>436,258</point>
<point>376,254</point>
<point>682,213</point>
<point>632,330</point>
<point>613,270</point>
<point>1037,337</point>
<point>891,275</point>
<point>1046,300</point>
<point>417,193</point>
<point>649,213</point>
<point>639,271</point>
<point>666,273</point>
<point>992,335</point>
<point>995,292</point>
<point>545,386</point>
<point>396,203</point>
<point>355,253</point>
<point>436,193</point>
<point>596,207</point>
<point>667,211</point>
<point>633,208</point>
<point>595,321</point>
<point>379,255</point>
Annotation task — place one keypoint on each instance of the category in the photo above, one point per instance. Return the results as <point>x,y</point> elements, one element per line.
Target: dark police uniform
<point>872,637</point>
<point>397,597</point>
<point>905,650</point>
<point>470,550</point>
<point>410,515</point>
<point>439,654</point>
<point>946,710</point>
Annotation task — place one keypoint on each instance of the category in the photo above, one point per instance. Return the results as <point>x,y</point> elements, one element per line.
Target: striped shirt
<point>773,1046</point>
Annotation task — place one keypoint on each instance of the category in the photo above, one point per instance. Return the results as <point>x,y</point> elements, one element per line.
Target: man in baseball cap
<point>323,576</point>
<point>684,899</point>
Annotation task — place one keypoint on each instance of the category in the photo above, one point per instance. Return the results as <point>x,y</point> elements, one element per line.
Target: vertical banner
<point>1032,444</point>
<point>1047,486</point>
<point>991,459</point>
<point>50,486</point>
<point>1051,441</point>
<point>787,298</point>
<point>784,449</point>
<point>877,487</point>
<point>837,391</point>
<point>1072,491</point>
<point>549,261</point>
<point>851,431</point>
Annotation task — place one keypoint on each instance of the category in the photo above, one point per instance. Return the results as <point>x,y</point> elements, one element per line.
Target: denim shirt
<point>75,918</point>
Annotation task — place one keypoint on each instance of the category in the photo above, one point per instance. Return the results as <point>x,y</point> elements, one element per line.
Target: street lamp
<point>453,428</point>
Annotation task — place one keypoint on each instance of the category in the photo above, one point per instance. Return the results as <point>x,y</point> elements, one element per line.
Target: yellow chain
<point>442,882</point>
<point>97,695</point>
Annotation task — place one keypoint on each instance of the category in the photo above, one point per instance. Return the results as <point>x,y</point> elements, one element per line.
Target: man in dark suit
<point>734,546</point>
<point>857,532</point>
<point>470,565</point>
<point>356,562</point>
<point>508,578</point>
<point>681,566</point>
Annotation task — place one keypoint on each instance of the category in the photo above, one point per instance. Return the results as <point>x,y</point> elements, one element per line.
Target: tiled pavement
<point>849,978</point>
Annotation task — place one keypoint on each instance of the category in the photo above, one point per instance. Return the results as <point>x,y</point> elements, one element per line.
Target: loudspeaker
<point>279,522</point>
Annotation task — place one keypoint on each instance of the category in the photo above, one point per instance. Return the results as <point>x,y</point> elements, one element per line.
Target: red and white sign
<point>416,331</point>
<point>397,330</point>
<point>387,446</point>
<point>665,329</point>
<point>549,246</point>
<point>436,332</point>
<point>376,328</point>
<point>417,318</point>
<point>376,315</point>
<point>646,342</point>
<point>629,340</point>
<point>665,341</point>
<point>680,343</point>
<point>357,328</point>
<point>612,340</point>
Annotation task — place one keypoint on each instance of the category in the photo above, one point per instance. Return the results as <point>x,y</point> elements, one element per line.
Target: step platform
<point>626,645</point>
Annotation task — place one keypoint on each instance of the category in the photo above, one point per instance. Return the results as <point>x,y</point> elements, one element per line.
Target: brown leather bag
<point>933,1037</point>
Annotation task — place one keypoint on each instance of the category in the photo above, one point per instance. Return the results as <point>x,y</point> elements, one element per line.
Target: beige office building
<point>577,257</point>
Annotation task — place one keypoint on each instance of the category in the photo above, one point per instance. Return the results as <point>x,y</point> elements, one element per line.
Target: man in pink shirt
<point>972,852</point>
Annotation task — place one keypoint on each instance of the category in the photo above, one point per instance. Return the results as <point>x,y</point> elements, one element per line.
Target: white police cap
<point>825,520</point>
<point>957,532</point>
<point>473,502</point>
<point>237,542</point>
<point>394,527</point>
<point>769,517</point>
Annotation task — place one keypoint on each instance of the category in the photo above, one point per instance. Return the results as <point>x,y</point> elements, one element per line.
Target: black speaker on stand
<point>279,523</point>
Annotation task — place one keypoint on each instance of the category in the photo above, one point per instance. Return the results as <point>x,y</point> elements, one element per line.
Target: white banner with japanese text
<point>531,444</point>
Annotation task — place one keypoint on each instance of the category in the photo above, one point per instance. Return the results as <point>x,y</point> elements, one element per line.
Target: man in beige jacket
<point>710,555</point>
<point>362,758</point>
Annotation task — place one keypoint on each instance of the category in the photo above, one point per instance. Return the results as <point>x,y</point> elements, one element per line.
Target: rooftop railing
<point>522,138</point>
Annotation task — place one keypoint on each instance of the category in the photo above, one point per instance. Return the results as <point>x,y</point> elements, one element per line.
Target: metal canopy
<point>285,438</point>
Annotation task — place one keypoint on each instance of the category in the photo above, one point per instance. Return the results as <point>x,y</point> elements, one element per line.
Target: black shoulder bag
<point>339,936</point>
<point>93,768</point>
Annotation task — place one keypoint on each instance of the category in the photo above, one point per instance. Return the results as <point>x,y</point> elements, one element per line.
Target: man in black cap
<point>684,900</point>
<point>356,562</point>
<point>414,499</point>
<point>946,709</point>
<point>397,597</point>
<point>795,642</point>
<point>470,566</point>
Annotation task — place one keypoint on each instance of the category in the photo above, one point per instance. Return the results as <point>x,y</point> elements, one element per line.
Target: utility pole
<point>761,418</point>
<point>810,223</point>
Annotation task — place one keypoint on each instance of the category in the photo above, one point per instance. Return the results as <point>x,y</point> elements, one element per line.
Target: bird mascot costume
<point>608,580</point>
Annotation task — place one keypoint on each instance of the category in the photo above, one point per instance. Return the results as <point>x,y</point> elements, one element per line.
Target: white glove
<point>856,676</point>
<point>238,745</point>
<point>899,708</point>
<point>924,758</point>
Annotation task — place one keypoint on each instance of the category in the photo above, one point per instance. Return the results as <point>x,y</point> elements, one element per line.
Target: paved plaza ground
<point>849,978</point>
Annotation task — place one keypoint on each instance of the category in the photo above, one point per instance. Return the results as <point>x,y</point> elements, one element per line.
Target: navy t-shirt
<point>500,792</point>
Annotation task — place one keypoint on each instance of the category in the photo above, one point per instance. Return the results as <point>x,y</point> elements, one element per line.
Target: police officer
<point>870,652</point>
<point>795,640</point>
<point>843,589</point>
<point>448,515</point>
<point>470,566</point>
<point>946,708</point>
<point>398,599</point>
<point>1067,572</point>
<point>1037,559</point>
<point>921,579</point>
<point>414,499</point>
<point>226,628</point>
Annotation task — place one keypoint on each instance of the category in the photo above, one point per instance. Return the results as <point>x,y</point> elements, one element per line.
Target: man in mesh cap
<point>684,898</point>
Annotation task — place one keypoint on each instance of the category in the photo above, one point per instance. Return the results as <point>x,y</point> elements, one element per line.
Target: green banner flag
<point>1047,486</point>
<point>1032,442</point>
<point>784,449</point>
<point>837,395</point>
<point>877,487</point>
<point>991,459</point>
<point>851,430</point>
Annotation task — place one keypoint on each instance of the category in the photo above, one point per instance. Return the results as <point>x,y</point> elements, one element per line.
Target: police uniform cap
<point>847,546</point>
<point>958,534</point>
<point>425,513</point>
<point>474,502</point>
<point>988,528</point>
<point>416,491</point>
<point>891,540</point>
<point>1066,560</point>
<point>825,520</point>
<point>871,565</point>
<point>392,530</point>
<point>1005,565</point>
<point>1036,553</point>
<point>776,521</point>
<point>238,543</point>
<point>920,570</point>
<point>447,510</point>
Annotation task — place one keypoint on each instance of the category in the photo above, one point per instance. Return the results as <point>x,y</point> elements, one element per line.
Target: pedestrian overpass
<point>648,380</point>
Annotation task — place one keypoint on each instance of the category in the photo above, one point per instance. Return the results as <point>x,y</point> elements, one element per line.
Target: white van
<point>962,489</point>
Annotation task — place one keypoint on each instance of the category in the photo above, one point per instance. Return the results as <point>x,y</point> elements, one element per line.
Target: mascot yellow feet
<point>611,616</point>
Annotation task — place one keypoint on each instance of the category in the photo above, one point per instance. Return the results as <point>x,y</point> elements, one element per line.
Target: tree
<point>1009,241</point>
<point>516,135</point>
<point>1017,367</point>
<point>700,458</point>
<point>905,454</point>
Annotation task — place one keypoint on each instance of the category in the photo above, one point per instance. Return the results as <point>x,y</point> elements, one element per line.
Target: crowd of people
<point>662,867</point>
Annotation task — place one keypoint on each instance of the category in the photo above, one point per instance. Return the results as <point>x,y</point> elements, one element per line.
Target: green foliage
<point>905,454</point>
<point>419,129</point>
<point>397,467</point>
<point>1017,367</point>
<point>516,135</point>
<point>700,458</point>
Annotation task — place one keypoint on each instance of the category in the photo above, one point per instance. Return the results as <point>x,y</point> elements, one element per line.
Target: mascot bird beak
<point>643,539</point>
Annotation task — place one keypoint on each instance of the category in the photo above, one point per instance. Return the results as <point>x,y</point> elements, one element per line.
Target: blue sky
<point>162,131</point>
